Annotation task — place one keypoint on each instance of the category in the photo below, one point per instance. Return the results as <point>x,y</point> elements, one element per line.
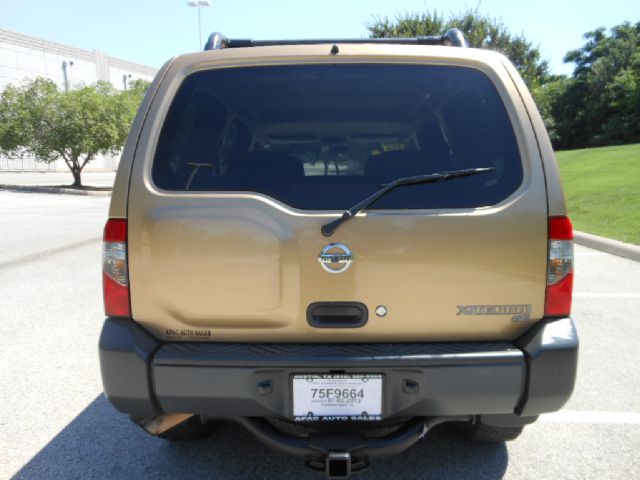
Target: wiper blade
<point>328,228</point>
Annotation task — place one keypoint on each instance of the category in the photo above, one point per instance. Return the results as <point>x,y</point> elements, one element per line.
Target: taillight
<point>559,268</point>
<point>115,275</point>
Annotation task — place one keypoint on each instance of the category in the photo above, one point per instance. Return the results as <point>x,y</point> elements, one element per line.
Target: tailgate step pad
<point>347,354</point>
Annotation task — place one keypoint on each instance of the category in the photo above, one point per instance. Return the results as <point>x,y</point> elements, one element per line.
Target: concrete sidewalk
<point>89,178</point>
<point>100,182</point>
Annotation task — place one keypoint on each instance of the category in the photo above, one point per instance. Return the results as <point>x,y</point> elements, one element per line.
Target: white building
<point>23,57</point>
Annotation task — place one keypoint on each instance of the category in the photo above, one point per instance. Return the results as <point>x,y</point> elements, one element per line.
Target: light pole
<point>199,4</point>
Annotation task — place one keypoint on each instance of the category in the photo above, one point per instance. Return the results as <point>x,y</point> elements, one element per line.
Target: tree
<point>600,104</point>
<point>546,97</point>
<point>481,31</point>
<point>38,119</point>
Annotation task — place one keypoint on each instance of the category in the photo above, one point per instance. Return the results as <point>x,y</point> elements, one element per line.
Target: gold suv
<point>338,245</point>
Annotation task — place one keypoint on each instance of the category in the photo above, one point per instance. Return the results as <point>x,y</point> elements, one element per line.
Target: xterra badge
<point>519,313</point>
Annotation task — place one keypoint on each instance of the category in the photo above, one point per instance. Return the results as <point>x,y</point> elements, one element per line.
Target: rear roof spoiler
<point>452,38</point>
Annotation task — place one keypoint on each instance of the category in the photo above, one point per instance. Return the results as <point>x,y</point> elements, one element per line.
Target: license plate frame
<point>364,400</point>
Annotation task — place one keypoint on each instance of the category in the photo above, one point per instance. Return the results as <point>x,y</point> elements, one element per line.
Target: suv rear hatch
<point>227,203</point>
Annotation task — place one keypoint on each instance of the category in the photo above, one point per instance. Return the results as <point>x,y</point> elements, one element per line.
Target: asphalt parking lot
<point>55,423</point>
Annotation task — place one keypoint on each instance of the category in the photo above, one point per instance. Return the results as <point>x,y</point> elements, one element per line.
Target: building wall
<point>23,57</point>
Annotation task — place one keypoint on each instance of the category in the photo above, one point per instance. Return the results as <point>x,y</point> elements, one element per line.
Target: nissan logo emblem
<point>335,258</point>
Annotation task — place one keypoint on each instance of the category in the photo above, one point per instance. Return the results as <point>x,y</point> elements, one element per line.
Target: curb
<point>59,190</point>
<point>614,247</point>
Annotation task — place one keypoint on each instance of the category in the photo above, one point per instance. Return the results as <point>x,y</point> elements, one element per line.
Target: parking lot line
<point>590,254</point>
<point>605,295</point>
<point>592,417</point>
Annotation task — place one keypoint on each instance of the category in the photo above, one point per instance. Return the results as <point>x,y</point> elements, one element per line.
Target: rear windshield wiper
<point>328,228</point>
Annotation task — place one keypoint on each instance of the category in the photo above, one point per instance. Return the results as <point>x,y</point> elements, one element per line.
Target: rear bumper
<point>534,374</point>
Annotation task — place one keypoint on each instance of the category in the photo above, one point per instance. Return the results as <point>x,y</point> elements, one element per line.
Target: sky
<point>152,31</point>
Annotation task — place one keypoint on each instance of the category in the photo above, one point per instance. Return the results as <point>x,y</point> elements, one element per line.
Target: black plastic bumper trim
<point>333,354</point>
<point>225,380</point>
<point>551,350</point>
<point>126,350</point>
<point>534,374</point>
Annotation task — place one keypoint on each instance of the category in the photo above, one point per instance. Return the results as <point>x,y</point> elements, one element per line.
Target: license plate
<point>330,397</point>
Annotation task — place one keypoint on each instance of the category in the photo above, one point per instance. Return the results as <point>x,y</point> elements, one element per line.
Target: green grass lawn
<point>602,186</point>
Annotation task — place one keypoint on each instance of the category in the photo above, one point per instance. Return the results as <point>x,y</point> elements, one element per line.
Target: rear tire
<point>479,432</point>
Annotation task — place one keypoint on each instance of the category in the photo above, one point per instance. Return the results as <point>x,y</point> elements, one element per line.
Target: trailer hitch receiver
<point>338,465</point>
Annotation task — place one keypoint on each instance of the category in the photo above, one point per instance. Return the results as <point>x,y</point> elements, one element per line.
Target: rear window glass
<point>320,137</point>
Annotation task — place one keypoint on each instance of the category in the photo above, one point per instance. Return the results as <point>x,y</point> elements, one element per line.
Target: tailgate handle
<point>337,314</point>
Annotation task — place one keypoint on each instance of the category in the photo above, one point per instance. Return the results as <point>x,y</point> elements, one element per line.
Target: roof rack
<point>452,37</point>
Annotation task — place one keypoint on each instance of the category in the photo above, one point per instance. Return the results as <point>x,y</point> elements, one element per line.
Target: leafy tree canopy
<point>481,31</point>
<point>600,104</point>
<point>39,119</point>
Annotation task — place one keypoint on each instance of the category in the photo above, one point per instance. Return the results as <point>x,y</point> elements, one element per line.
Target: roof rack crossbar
<point>452,37</point>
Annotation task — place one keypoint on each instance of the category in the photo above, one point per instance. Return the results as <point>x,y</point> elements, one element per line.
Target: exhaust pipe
<point>161,423</point>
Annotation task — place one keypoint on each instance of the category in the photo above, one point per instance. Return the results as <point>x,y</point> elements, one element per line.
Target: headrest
<point>269,164</point>
<point>391,165</point>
